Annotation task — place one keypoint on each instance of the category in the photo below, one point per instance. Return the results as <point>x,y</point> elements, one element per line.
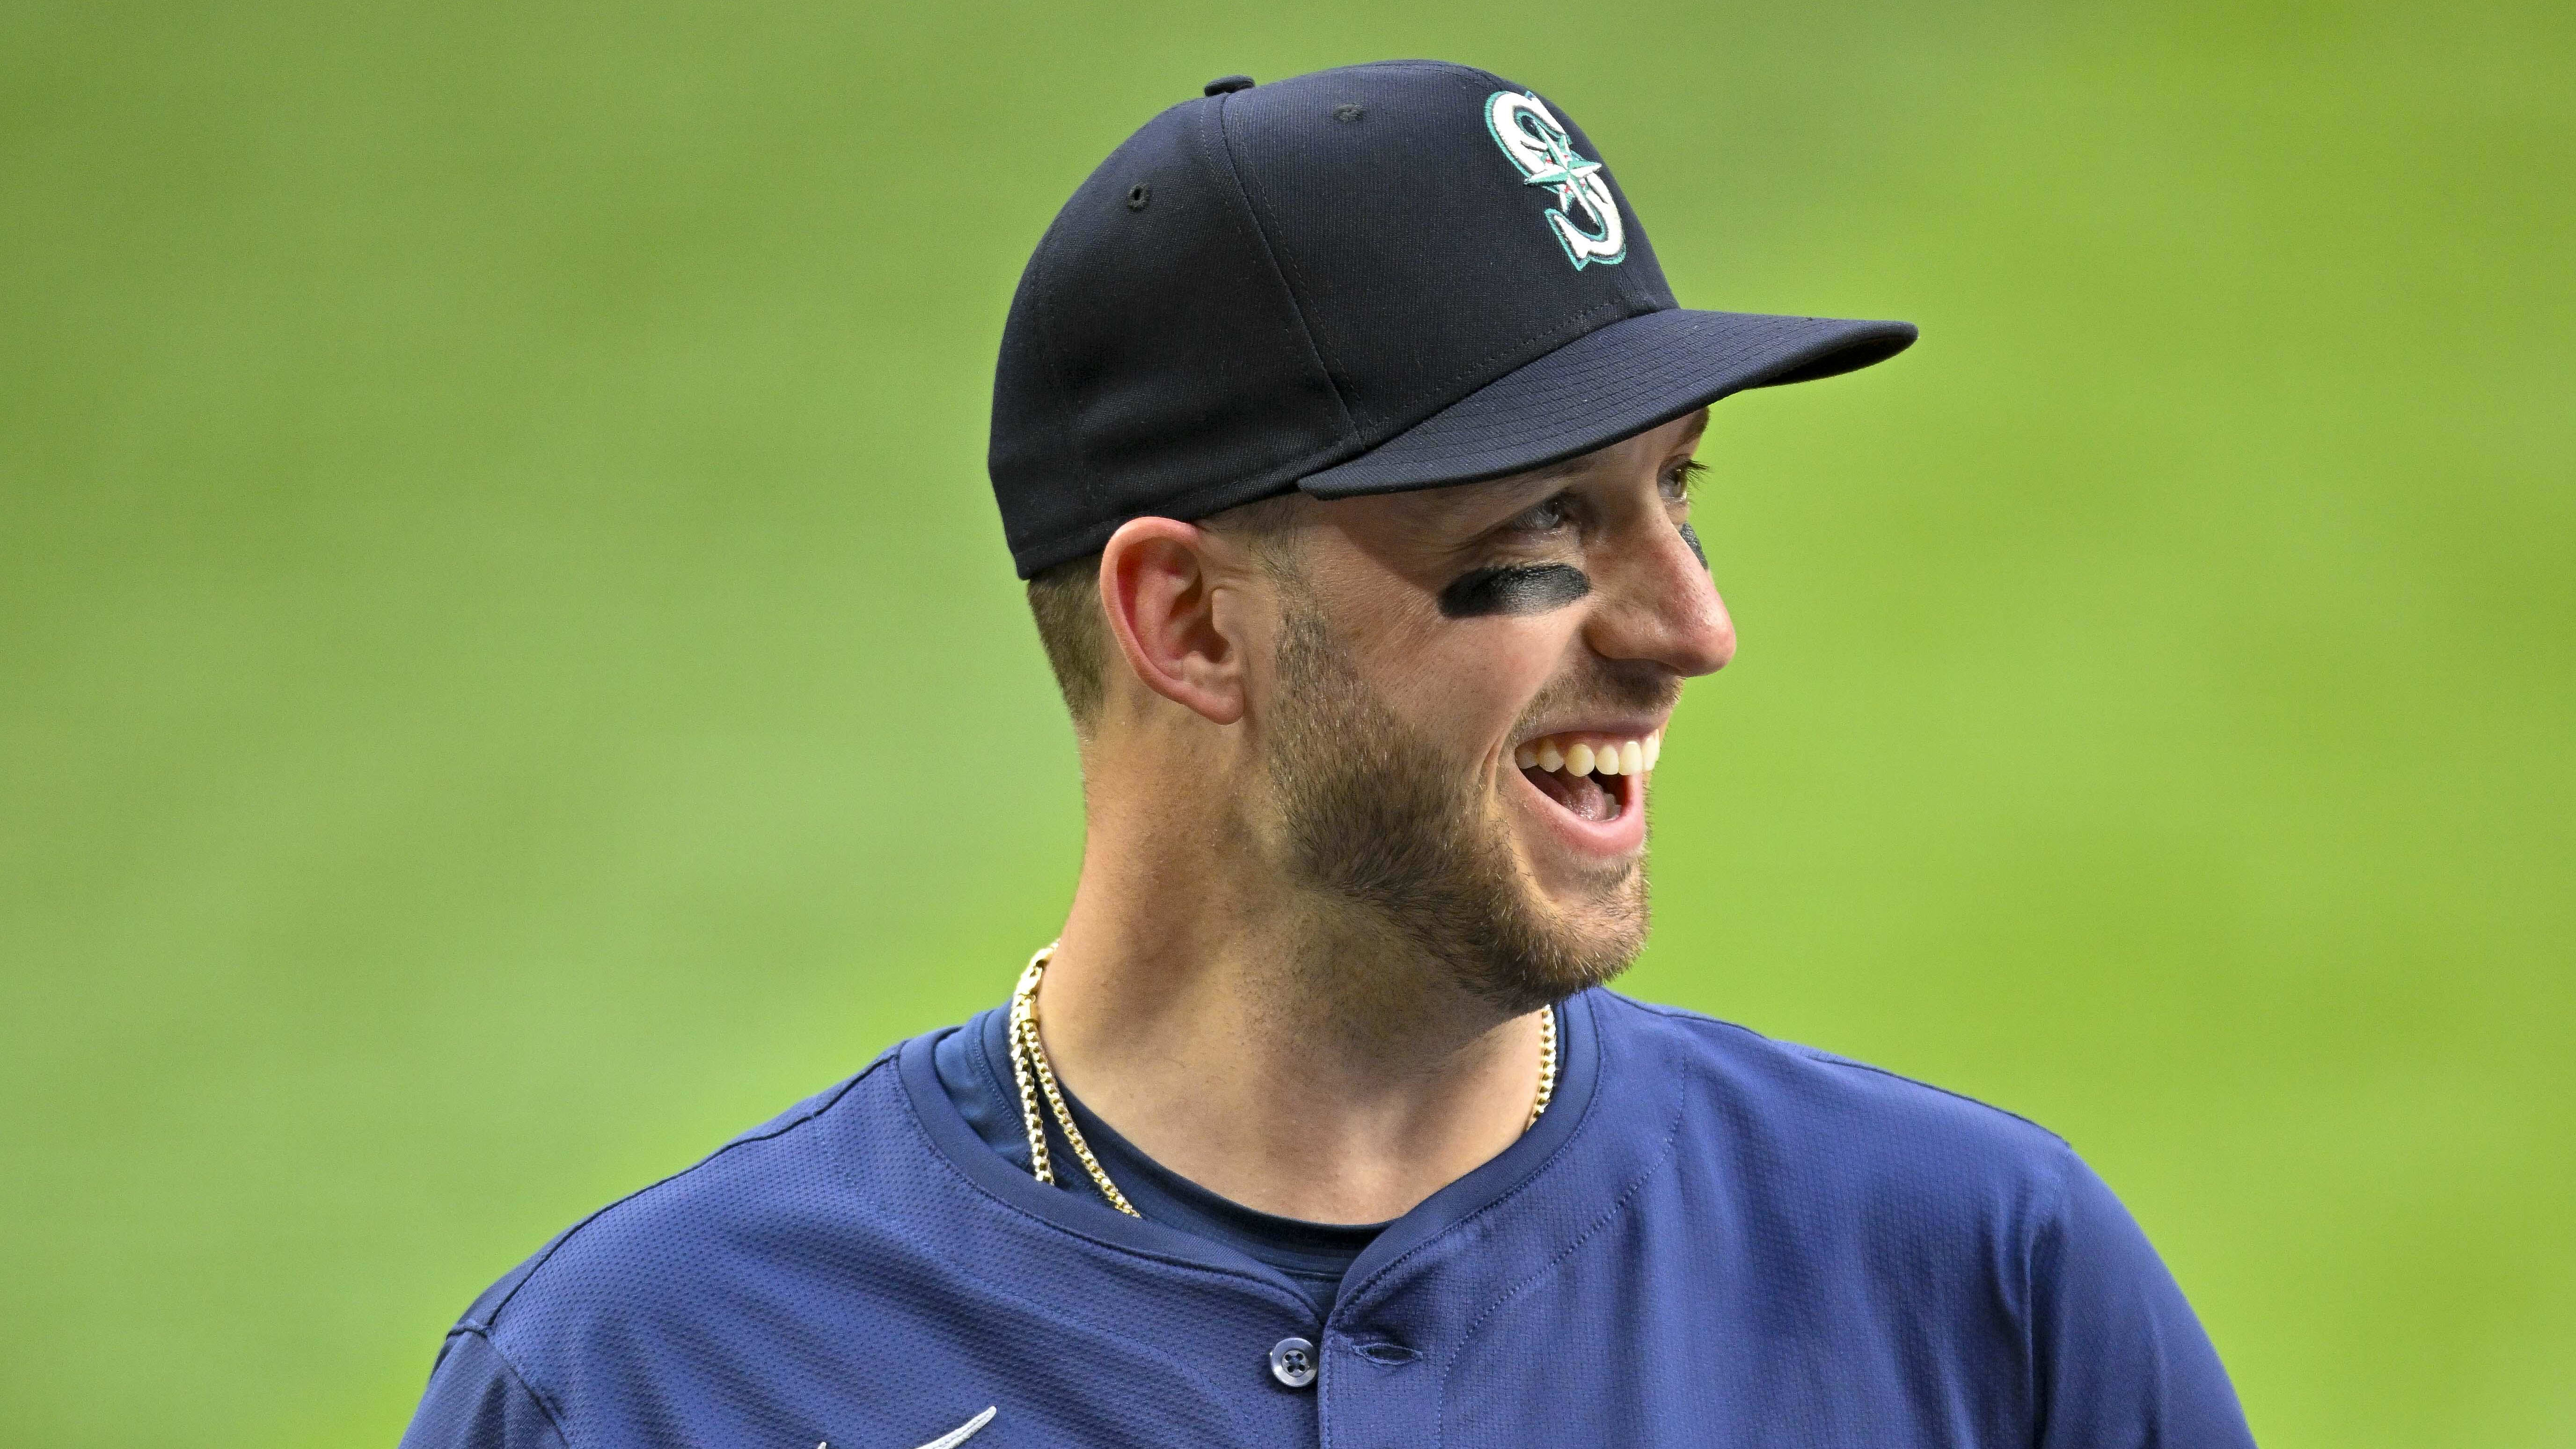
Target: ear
<point>1157,587</point>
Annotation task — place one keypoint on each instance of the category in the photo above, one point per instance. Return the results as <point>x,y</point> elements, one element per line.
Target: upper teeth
<point>1590,757</point>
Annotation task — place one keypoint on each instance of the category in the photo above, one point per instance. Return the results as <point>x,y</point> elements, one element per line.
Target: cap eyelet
<point>1348,111</point>
<point>1138,195</point>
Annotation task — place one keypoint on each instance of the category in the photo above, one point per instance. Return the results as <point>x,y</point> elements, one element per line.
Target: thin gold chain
<point>1036,1076</point>
<point>1023,1016</point>
<point>1546,1065</point>
<point>1027,1048</point>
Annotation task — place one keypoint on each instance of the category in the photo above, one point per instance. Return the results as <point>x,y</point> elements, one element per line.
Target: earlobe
<point>1156,587</point>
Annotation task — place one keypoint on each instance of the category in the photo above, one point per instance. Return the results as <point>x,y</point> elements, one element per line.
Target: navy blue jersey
<point>974,1067</point>
<point>1711,1239</point>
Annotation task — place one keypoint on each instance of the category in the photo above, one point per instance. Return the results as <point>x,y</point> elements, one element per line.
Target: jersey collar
<point>1537,1153</point>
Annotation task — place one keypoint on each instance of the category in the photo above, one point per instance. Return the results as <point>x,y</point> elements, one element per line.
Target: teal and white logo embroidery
<point>1585,217</point>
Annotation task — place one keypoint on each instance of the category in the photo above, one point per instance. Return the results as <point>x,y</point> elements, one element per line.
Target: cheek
<point>1464,681</point>
<point>1475,682</point>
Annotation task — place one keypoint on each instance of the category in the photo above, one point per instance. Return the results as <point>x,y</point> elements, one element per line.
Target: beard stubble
<point>1376,817</point>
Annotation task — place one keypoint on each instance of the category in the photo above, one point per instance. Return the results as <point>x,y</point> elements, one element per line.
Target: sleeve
<point>2122,1361</point>
<point>476,1400</point>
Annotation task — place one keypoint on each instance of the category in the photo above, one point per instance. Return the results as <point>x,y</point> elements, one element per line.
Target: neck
<point>1272,1050</point>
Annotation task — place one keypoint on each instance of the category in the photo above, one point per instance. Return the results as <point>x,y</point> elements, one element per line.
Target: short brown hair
<point>1065,602</point>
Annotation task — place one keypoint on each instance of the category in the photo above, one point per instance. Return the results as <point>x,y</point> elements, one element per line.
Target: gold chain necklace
<point>1029,1065</point>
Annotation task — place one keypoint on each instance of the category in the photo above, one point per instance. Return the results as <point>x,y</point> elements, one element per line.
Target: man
<point>1344,429</point>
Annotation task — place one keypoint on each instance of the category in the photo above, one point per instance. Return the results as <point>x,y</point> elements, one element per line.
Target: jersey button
<point>1292,1362</point>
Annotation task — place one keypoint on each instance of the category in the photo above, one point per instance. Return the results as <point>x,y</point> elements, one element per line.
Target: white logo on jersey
<point>1538,144</point>
<point>953,1437</point>
<point>961,1433</point>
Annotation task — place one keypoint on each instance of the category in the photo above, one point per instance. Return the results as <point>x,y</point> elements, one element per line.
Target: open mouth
<point>1591,777</point>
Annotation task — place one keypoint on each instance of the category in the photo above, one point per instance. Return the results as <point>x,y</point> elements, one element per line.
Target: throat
<point>1194,1078</point>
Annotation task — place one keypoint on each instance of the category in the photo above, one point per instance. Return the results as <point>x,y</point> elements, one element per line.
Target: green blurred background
<point>508,671</point>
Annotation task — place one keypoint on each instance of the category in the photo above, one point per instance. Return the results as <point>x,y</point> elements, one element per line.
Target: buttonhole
<point>1137,196</point>
<point>1386,1353</point>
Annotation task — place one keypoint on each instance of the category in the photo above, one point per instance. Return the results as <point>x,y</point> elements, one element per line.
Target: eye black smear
<point>1513,589</point>
<point>1697,552</point>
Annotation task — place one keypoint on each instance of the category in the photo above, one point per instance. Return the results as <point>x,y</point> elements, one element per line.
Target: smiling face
<point>1467,698</point>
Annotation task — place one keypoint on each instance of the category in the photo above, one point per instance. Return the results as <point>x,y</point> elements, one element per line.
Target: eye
<point>1682,479</point>
<point>1546,517</point>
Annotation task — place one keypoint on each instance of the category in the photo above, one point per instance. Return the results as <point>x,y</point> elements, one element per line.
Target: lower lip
<point>1621,834</point>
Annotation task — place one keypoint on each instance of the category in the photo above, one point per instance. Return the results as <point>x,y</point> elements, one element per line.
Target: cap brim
<point>1608,384</point>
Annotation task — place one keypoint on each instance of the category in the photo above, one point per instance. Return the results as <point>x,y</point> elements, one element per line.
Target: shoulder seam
<point>1830,1059</point>
<point>822,1103</point>
<point>1822,1057</point>
<point>2051,1223</point>
<point>510,1366</point>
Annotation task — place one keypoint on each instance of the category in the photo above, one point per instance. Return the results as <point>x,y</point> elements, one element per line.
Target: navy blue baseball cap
<point>1363,280</point>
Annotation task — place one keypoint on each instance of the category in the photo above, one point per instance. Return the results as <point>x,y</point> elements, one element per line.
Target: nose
<point>1663,606</point>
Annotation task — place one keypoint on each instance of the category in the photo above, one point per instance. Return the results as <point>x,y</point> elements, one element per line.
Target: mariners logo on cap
<point>1585,218</point>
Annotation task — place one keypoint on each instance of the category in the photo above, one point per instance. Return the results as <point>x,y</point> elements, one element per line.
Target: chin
<point>1558,943</point>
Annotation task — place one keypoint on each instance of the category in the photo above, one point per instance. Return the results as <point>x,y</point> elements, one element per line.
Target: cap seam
<point>1619,299</point>
<point>1294,275</point>
<point>1575,329</point>
<point>1045,299</point>
<point>1290,278</point>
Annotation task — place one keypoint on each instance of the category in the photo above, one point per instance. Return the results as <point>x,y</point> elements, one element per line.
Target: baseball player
<point>1343,431</point>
